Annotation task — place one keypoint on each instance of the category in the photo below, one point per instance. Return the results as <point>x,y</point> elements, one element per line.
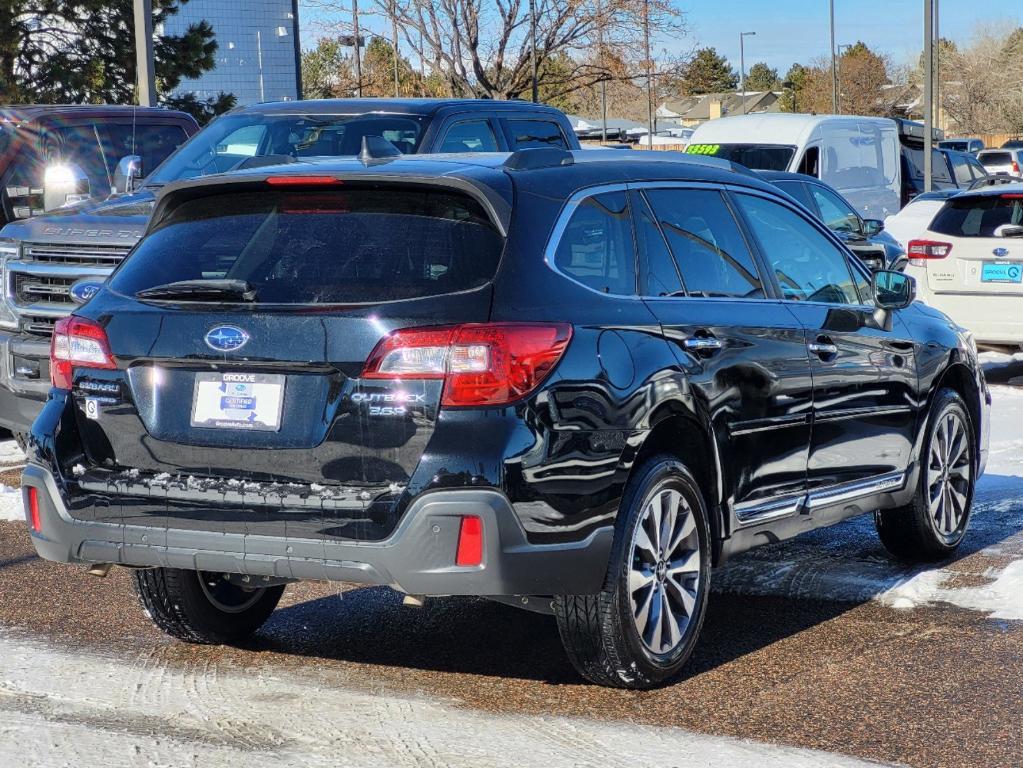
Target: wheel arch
<point>959,377</point>
<point>680,432</point>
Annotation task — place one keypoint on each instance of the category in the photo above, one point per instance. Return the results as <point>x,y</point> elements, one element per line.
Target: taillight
<point>33,509</point>
<point>483,364</point>
<point>77,343</point>
<point>920,251</point>
<point>1015,167</point>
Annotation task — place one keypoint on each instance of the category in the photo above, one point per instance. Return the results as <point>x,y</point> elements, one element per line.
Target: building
<point>691,111</point>
<point>258,54</point>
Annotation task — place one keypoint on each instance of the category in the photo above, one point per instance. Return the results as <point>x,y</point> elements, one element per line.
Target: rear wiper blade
<point>197,290</point>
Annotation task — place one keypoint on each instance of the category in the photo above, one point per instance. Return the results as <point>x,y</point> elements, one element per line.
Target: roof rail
<point>993,180</point>
<point>377,149</point>
<point>538,157</point>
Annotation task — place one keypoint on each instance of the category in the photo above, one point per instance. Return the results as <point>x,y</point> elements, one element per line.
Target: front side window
<point>961,170</point>
<point>596,248</point>
<point>806,264</point>
<point>527,134</point>
<point>469,136</point>
<point>359,245</point>
<point>836,213</point>
<point>710,251</point>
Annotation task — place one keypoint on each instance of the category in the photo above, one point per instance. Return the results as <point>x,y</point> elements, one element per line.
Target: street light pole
<point>928,90</point>
<point>532,48</point>
<point>358,48</point>
<point>394,42</point>
<point>146,91</point>
<point>742,67</point>
<point>834,71</point>
<point>649,74</point>
<point>838,75</point>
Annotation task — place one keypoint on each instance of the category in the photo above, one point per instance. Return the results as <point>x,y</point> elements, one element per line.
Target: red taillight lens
<point>470,542</point>
<point>33,509</point>
<point>921,250</point>
<point>1015,167</point>
<point>484,364</point>
<point>77,343</point>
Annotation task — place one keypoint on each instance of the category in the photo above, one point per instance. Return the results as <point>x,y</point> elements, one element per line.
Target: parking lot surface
<point>820,643</point>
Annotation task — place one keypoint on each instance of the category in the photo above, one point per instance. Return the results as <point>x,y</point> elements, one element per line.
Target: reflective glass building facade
<point>258,48</point>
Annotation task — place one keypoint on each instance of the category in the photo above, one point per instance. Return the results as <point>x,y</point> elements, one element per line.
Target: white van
<point>858,156</point>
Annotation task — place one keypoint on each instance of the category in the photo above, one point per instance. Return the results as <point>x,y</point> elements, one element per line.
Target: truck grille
<point>38,324</point>
<point>76,253</point>
<point>33,289</point>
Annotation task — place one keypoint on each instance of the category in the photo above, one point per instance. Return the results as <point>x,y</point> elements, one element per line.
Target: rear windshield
<point>313,247</point>
<point>762,157</point>
<point>956,146</point>
<point>978,216</point>
<point>996,158</point>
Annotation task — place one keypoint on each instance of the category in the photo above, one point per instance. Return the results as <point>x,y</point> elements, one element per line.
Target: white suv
<point>1002,160</point>
<point>969,263</point>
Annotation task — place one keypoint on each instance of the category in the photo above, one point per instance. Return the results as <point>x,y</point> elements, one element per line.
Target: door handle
<point>823,348</point>
<point>702,344</point>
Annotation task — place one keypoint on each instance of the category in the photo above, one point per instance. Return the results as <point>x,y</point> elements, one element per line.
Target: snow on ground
<point>11,507</point>
<point>60,708</point>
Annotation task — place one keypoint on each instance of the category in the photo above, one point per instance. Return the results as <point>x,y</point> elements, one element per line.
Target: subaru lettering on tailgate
<point>226,338</point>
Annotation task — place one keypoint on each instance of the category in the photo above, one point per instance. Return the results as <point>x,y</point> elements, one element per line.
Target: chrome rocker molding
<point>756,514</point>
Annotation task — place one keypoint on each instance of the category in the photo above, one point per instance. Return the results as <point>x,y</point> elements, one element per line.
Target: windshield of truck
<point>760,157</point>
<point>312,247</point>
<point>228,142</point>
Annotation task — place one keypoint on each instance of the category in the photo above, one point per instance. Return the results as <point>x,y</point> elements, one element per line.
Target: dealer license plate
<point>238,401</point>
<point>1001,272</point>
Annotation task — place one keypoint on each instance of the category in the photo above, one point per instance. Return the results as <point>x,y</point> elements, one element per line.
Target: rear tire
<point>934,523</point>
<point>200,607</point>
<point>640,630</point>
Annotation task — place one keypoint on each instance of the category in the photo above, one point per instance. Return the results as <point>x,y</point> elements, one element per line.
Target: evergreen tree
<point>708,72</point>
<point>762,78</point>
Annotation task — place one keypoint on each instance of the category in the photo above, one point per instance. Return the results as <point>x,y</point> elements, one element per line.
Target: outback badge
<point>226,338</point>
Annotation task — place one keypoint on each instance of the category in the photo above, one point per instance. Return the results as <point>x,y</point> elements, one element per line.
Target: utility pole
<point>532,48</point>
<point>649,74</point>
<point>742,67</point>
<point>937,65</point>
<point>928,90</point>
<point>358,48</point>
<point>259,63</point>
<point>146,88</point>
<point>838,73</point>
<point>834,70</point>
<point>603,74</point>
<point>394,42</point>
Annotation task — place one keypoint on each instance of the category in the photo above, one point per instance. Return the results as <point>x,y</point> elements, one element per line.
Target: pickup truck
<point>54,263</point>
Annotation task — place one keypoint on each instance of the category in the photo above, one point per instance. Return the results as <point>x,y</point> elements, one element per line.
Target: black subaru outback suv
<point>572,381</point>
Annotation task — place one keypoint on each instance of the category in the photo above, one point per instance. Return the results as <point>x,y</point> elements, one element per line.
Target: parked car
<point>971,145</point>
<point>53,155</point>
<point>1013,144</point>
<point>950,169</point>
<point>1006,161</point>
<point>858,156</point>
<point>912,221</point>
<point>573,382</point>
<point>864,237</point>
<point>969,263</point>
<point>56,262</point>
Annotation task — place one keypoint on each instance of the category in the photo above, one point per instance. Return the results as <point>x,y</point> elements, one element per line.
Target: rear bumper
<point>992,319</point>
<point>418,558</point>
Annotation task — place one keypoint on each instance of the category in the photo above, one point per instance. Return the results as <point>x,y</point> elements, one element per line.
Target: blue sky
<point>797,30</point>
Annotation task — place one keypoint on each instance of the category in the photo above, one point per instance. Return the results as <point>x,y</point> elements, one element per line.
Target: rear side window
<point>807,265</point>
<point>469,136</point>
<point>978,216</point>
<point>314,247</point>
<point>710,251</point>
<point>526,134</point>
<point>596,248</point>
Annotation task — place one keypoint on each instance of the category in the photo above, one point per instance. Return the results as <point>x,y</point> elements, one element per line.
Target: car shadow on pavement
<point>759,598</point>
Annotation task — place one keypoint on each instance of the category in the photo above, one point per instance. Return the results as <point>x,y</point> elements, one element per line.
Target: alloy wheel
<point>664,580</point>
<point>949,470</point>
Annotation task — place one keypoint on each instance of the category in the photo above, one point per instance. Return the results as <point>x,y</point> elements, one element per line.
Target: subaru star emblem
<point>226,338</point>
<point>1001,252</point>
<point>84,290</point>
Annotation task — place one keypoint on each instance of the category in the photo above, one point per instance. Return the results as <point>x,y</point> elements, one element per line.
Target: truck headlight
<point>9,250</point>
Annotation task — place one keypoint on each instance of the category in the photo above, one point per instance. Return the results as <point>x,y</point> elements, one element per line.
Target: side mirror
<point>63,184</point>
<point>893,290</point>
<point>128,171</point>
<point>872,227</point>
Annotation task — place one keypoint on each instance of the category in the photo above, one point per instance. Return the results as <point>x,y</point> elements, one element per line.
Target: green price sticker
<point>703,149</point>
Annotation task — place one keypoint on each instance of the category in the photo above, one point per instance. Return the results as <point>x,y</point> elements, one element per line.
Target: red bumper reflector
<point>470,542</point>
<point>33,509</point>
